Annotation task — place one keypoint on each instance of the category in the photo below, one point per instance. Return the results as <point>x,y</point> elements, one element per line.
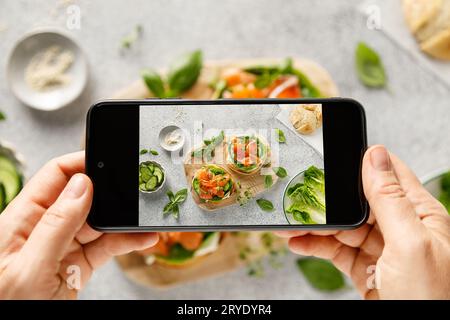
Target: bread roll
<point>306,118</point>
<point>429,20</point>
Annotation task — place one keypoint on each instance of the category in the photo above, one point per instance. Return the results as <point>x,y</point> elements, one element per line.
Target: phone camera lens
<point>100,164</point>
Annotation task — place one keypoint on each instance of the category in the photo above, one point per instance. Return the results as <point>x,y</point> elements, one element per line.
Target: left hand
<point>45,243</point>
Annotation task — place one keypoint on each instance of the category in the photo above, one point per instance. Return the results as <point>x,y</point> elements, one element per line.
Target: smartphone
<point>197,165</point>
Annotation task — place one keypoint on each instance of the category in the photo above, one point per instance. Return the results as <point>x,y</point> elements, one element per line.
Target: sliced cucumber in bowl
<point>11,179</point>
<point>151,176</point>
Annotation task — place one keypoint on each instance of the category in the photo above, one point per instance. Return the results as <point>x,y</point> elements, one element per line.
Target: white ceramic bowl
<point>21,55</point>
<point>162,135</point>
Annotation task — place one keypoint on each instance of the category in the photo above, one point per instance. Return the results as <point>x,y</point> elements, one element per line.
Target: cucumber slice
<point>7,164</point>
<point>151,167</point>
<point>209,244</point>
<point>2,197</point>
<point>227,186</point>
<point>159,175</point>
<point>145,174</point>
<point>196,185</point>
<point>151,183</point>
<point>11,182</point>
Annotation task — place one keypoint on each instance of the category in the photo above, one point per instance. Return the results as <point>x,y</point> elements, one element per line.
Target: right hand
<point>407,236</point>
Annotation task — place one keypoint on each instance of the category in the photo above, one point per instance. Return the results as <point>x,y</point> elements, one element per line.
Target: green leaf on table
<point>2,116</point>
<point>154,82</point>
<point>281,138</point>
<point>181,196</point>
<point>143,151</point>
<point>172,207</point>
<point>268,181</point>
<point>184,72</point>
<point>264,204</point>
<point>321,274</point>
<point>154,152</point>
<point>280,172</point>
<point>132,37</point>
<point>369,67</point>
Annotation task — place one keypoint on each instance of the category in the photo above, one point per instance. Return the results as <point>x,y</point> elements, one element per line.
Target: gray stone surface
<point>295,156</point>
<point>412,118</point>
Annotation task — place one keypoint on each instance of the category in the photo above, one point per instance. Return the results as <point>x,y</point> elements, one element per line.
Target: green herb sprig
<point>172,207</point>
<point>183,74</point>
<point>280,172</point>
<point>265,204</point>
<point>321,274</point>
<point>132,37</point>
<point>369,67</point>
<point>281,138</point>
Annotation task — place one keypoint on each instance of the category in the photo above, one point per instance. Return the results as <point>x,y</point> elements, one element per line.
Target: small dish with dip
<point>171,138</point>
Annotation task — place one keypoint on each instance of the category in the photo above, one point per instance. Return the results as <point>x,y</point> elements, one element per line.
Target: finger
<point>328,248</point>
<point>42,190</point>
<point>52,236</point>
<point>290,234</point>
<point>393,211</point>
<point>87,234</point>
<point>354,238</point>
<point>423,202</point>
<point>114,244</point>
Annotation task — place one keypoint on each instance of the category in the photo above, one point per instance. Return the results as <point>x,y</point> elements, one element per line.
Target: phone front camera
<point>100,165</point>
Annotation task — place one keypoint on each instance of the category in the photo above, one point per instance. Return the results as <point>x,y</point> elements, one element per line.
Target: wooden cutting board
<point>227,257</point>
<point>251,183</point>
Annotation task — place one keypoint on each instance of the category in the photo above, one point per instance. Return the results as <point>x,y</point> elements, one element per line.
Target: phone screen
<point>231,165</point>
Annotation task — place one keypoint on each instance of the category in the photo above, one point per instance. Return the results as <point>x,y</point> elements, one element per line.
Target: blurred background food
<point>132,53</point>
<point>429,21</point>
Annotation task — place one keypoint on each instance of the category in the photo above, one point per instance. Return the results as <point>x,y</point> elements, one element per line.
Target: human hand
<point>407,236</point>
<point>44,237</point>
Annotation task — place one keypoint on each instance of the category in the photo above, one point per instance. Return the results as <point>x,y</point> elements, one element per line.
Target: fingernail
<point>76,187</point>
<point>379,158</point>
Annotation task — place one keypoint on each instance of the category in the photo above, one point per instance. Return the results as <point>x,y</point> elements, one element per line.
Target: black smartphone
<point>190,165</point>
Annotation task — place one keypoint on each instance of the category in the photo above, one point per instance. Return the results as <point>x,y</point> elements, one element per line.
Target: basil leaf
<point>321,274</point>
<point>280,172</point>
<point>268,181</point>
<point>184,72</point>
<point>265,80</point>
<point>153,82</point>
<point>369,67</point>
<point>286,66</point>
<point>281,138</point>
<point>175,211</point>
<point>180,196</point>
<point>170,195</point>
<point>264,204</point>
<point>154,152</point>
<point>168,208</point>
<point>143,151</point>
<point>259,70</point>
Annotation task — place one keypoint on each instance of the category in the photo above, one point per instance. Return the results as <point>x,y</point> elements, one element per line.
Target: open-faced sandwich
<point>176,249</point>
<point>247,153</point>
<point>268,81</point>
<point>211,183</point>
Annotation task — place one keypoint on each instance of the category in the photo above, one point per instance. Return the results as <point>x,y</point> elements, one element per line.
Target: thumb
<point>393,211</point>
<point>52,236</point>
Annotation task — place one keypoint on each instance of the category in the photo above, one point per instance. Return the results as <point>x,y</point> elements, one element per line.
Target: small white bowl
<point>432,181</point>
<point>22,54</point>
<point>162,135</point>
